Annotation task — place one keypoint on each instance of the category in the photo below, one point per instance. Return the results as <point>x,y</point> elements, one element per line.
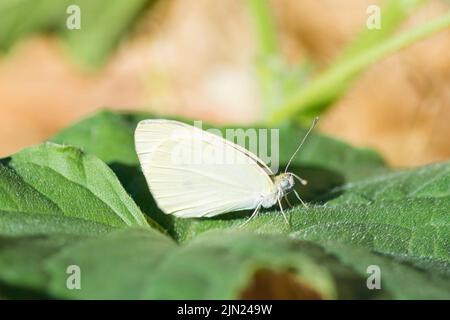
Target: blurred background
<point>233,61</point>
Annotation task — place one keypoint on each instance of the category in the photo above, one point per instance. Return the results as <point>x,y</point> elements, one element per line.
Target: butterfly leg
<point>287,200</point>
<point>298,197</point>
<point>254,214</point>
<point>282,211</point>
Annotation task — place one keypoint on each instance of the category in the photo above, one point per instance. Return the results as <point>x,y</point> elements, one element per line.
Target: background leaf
<point>24,17</point>
<point>98,36</point>
<point>107,135</point>
<point>91,44</point>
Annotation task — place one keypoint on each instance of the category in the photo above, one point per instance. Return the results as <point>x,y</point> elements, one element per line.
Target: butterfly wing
<point>193,173</point>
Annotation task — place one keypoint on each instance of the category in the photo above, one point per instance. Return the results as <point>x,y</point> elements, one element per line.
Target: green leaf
<point>414,222</point>
<point>20,18</point>
<point>398,220</point>
<point>401,280</point>
<point>19,223</point>
<point>107,135</point>
<point>59,182</point>
<point>215,266</point>
<point>335,171</point>
<point>22,274</point>
<point>103,23</point>
<point>144,264</point>
<point>432,181</point>
<point>325,162</point>
<point>110,136</point>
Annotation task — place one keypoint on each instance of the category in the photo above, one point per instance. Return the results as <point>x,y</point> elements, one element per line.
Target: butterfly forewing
<point>193,173</point>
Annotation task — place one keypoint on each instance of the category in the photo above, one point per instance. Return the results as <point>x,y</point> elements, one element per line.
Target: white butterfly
<point>187,186</point>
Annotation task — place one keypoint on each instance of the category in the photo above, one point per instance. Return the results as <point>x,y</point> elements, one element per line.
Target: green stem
<point>393,12</point>
<point>329,85</point>
<point>264,27</point>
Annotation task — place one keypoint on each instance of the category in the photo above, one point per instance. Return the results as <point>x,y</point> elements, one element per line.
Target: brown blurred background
<point>194,58</point>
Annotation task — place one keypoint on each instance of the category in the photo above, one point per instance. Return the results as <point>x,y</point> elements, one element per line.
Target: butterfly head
<point>284,182</point>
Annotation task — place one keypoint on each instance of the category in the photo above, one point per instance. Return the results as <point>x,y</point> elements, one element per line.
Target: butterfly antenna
<point>302,181</point>
<point>301,143</point>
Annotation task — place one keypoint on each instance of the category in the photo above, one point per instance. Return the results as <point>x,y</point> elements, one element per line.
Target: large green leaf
<point>432,181</point>
<point>18,223</point>
<point>215,266</point>
<point>144,264</point>
<point>411,219</point>
<point>21,263</point>
<point>54,186</point>
<point>377,211</point>
<point>360,214</point>
<point>401,280</point>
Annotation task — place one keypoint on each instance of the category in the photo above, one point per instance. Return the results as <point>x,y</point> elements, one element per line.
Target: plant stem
<point>325,88</point>
<point>264,27</point>
<point>394,12</point>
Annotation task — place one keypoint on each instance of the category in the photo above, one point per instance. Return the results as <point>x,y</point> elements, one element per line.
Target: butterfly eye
<point>284,183</point>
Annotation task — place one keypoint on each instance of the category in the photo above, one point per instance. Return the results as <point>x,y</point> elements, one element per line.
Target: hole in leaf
<point>269,285</point>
